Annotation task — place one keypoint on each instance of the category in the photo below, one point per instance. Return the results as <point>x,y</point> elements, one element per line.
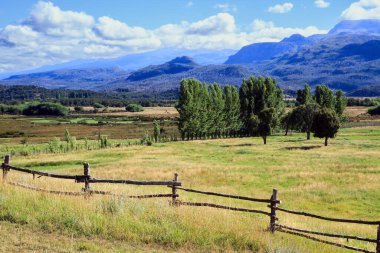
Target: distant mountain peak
<point>182,60</point>
<point>177,65</point>
<point>365,26</point>
<point>262,51</point>
<point>295,38</point>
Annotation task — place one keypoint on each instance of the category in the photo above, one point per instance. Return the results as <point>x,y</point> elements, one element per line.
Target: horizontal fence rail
<point>226,195</point>
<point>222,207</point>
<point>327,234</point>
<point>45,190</point>
<point>83,178</point>
<point>328,218</point>
<point>122,181</point>
<point>326,242</point>
<point>43,174</point>
<point>174,184</point>
<point>132,196</point>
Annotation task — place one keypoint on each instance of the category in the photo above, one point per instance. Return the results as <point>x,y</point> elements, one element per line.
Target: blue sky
<point>153,13</point>
<point>35,33</point>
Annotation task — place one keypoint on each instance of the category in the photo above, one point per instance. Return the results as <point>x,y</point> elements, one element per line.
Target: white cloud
<point>220,23</point>
<point>267,31</point>
<point>225,7</point>
<point>281,8</point>
<point>321,3</point>
<point>19,35</point>
<point>214,32</point>
<point>51,36</point>
<point>363,9</point>
<point>50,19</point>
<point>113,29</point>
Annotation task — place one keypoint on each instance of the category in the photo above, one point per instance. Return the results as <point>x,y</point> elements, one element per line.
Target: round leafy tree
<point>326,124</point>
<point>134,108</point>
<point>267,122</point>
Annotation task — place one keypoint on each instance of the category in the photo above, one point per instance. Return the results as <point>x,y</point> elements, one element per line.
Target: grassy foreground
<point>340,180</point>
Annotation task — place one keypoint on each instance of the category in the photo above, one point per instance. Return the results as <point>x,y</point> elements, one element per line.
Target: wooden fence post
<point>86,172</point>
<point>174,190</point>
<point>378,240</point>
<point>273,205</point>
<point>5,170</point>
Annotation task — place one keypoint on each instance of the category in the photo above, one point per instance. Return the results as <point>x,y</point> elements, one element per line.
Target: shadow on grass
<point>302,148</point>
<point>239,145</point>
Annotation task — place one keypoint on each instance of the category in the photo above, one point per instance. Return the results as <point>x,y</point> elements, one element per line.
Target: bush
<point>45,109</point>
<point>146,140</point>
<point>98,105</point>
<point>374,110</point>
<point>78,108</point>
<point>134,108</point>
<point>11,109</point>
<point>103,141</point>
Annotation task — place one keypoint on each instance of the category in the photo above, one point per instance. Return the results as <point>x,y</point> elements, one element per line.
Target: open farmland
<point>115,124</point>
<point>340,180</point>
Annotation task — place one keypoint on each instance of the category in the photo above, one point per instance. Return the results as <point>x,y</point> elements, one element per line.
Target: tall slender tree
<point>341,103</point>
<point>324,97</point>
<point>232,110</point>
<point>217,107</point>
<point>257,94</point>
<point>304,96</point>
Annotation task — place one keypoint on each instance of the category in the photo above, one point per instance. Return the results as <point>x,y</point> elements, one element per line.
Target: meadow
<point>340,180</point>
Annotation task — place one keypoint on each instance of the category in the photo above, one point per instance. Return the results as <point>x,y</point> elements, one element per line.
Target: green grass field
<point>340,180</point>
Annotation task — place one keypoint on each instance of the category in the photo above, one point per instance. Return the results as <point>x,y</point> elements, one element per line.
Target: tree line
<point>320,114</point>
<point>257,108</point>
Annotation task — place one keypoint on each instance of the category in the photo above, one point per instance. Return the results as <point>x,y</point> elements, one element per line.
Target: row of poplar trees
<point>214,111</point>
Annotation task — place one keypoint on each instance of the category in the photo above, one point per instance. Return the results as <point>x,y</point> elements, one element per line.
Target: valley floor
<point>340,180</point>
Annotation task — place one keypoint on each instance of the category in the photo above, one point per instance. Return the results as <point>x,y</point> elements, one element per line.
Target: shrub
<point>146,140</point>
<point>98,105</point>
<point>11,109</point>
<point>156,131</point>
<point>46,109</point>
<point>134,108</point>
<point>103,141</point>
<point>374,110</point>
<point>78,108</point>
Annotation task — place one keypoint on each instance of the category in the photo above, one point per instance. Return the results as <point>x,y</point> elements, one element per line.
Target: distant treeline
<point>35,108</point>
<point>256,109</point>
<point>19,93</point>
<point>363,102</point>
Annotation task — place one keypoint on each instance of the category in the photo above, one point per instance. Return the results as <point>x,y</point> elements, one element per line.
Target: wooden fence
<point>175,186</point>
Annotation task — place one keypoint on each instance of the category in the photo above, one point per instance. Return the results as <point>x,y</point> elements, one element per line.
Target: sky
<point>35,33</point>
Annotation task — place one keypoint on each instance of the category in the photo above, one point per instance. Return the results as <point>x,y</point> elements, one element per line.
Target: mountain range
<point>347,58</point>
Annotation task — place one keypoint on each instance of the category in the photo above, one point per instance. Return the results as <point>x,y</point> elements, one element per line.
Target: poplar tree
<point>304,96</point>
<point>203,103</point>
<point>341,103</point>
<point>187,108</point>
<point>257,94</point>
<point>232,110</point>
<point>217,106</point>
<point>324,97</point>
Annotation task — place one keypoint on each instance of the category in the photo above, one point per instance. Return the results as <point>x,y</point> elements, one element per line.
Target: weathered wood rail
<point>175,186</point>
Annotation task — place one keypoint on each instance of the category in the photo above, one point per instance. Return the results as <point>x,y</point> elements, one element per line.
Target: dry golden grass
<point>153,112</point>
<point>340,180</point>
